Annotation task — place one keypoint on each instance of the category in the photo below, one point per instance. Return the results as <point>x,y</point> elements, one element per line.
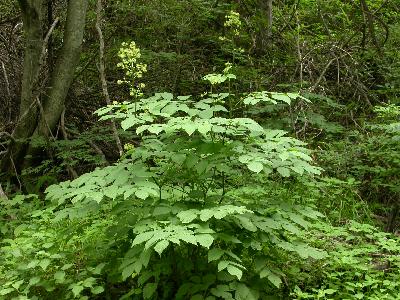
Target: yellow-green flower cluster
<point>228,67</point>
<point>233,21</point>
<point>130,55</point>
<point>129,146</point>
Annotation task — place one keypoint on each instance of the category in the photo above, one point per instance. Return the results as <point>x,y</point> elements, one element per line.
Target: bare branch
<point>2,193</point>
<point>102,72</point>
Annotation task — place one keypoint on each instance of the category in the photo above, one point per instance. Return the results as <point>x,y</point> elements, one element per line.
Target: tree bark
<point>66,63</point>
<point>369,20</point>
<point>269,18</point>
<point>266,25</point>
<point>39,118</point>
<point>32,15</point>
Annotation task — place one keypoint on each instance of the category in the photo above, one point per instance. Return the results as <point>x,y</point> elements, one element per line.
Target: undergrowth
<point>205,203</point>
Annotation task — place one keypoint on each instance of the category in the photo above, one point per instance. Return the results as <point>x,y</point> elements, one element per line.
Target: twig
<point>299,51</point>
<point>44,117</point>
<point>16,172</point>
<point>322,74</point>
<point>102,72</point>
<point>46,39</point>
<point>2,193</point>
<point>93,145</point>
<point>6,134</point>
<point>99,152</point>
<point>7,88</point>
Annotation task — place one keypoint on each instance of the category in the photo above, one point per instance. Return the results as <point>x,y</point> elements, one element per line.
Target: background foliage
<point>261,159</point>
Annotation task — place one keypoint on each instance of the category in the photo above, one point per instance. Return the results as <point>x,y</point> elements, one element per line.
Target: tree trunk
<point>39,118</point>
<point>64,69</point>
<point>269,18</point>
<point>32,15</point>
<point>266,25</point>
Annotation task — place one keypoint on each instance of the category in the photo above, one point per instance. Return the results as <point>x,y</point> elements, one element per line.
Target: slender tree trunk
<point>369,23</point>
<point>66,63</point>
<point>269,18</point>
<point>32,15</point>
<point>266,29</point>
<point>41,118</point>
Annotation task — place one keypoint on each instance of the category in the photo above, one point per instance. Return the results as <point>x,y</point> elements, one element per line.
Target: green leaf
<point>66,267</point>
<point>142,237</point>
<point>215,254</point>
<point>6,291</point>
<point>129,122</point>
<point>148,290</point>
<point>255,166</point>
<point>298,219</point>
<point>222,291</point>
<point>17,284</point>
<point>88,282</point>
<point>223,264</point>
<point>284,156</point>
<point>317,254</point>
<point>206,114</point>
<point>246,223</point>
<point>291,228</point>
<point>302,251</point>
<point>206,214</point>
<point>156,128</point>
<point>161,246</point>
<point>272,277</point>
<point>275,280</point>
<point>45,263</point>
<point>188,238</point>
<point>77,289</point>
<point>233,255</point>
<point>265,272</point>
<point>188,216</point>
<point>183,98</point>
<point>204,128</point>
<point>234,271</point>
<point>128,271</point>
<point>281,97</point>
<point>98,268</point>
<point>205,240</point>
<point>245,293</point>
<point>141,194</point>
<point>283,171</point>
<point>59,276</point>
<point>97,290</point>
<point>111,191</point>
<point>169,96</point>
<point>161,210</point>
<point>141,129</point>
<point>298,169</point>
<point>96,196</point>
<point>330,291</point>
<point>189,127</point>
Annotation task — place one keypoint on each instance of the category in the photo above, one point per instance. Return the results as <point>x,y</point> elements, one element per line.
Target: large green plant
<point>184,191</point>
<point>189,188</point>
